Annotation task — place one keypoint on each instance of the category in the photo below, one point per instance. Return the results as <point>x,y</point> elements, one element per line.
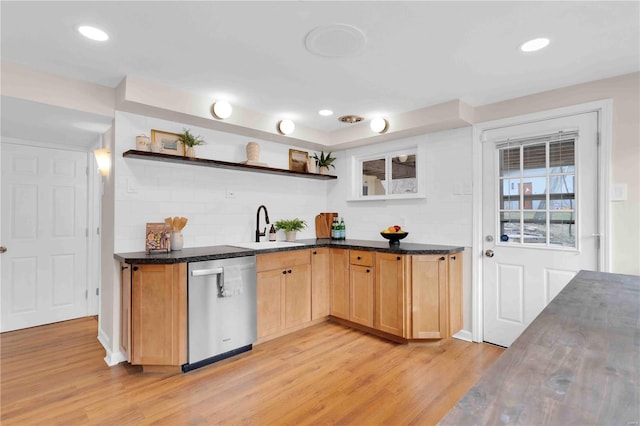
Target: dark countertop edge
<point>197,254</point>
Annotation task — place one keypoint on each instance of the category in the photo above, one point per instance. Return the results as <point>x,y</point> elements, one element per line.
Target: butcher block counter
<point>577,363</point>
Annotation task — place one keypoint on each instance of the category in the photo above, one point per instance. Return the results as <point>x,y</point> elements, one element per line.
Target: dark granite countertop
<point>576,363</point>
<point>197,254</point>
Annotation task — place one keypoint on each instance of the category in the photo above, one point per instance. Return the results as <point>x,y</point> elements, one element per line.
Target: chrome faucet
<point>266,217</point>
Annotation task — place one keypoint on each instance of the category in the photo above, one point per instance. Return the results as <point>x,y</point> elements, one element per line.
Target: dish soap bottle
<point>272,233</point>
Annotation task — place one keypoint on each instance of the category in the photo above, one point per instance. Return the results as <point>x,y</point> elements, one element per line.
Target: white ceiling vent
<point>335,41</point>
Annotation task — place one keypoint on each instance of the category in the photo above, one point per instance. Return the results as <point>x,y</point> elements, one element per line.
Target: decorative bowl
<point>394,237</point>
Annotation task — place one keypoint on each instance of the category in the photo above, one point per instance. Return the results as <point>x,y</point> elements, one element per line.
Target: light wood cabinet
<point>283,290</point>
<point>455,293</point>
<point>320,283</point>
<point>390,313</point>
<point>361,283</point>
<point>125,310</point>
<point>339,283</point>
<point>429,296</point>
<point>158,328</point>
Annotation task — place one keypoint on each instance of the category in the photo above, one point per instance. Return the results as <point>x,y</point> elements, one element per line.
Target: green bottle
<point>343,230</point>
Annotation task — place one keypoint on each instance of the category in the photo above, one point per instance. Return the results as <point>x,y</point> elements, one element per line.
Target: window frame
<point>387,155</point>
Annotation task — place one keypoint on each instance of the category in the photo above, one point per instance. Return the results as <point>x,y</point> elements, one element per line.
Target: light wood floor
<point>326,374</point>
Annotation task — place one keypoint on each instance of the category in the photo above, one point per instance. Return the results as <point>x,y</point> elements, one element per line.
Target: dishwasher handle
<point>205,272</point>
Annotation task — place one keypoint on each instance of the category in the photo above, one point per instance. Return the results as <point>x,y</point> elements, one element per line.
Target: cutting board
<point>323,224</point>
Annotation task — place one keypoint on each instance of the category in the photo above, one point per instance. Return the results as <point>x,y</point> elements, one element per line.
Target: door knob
<point>3,249</point>
<point>489,253</point>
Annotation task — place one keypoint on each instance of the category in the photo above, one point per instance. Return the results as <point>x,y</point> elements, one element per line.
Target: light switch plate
<point>619,192</point>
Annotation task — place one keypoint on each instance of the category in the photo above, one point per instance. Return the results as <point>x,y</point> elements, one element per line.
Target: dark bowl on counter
<point>394,237</point>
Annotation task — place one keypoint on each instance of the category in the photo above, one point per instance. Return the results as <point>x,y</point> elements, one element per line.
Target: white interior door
<point>44,228</point>
<point>540,195</point>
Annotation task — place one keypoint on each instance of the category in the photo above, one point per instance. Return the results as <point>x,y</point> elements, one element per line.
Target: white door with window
<point>540,217</point>
<point>44,229</point>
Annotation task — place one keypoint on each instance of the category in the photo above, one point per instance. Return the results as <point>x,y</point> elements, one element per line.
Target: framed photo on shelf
<point>298,160</point>
<point>168,141</point>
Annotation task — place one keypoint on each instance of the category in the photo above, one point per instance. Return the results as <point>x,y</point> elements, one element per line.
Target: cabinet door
<point>320,283</point>
<point>269,296</point>
<point>340,283</point>
<point>125,310</point>
<point>429,297</point>
<point>455,293</point>
<point>361,284</point>
<point>390,310</point>
<point>297,295</point>
<point>159,314</point>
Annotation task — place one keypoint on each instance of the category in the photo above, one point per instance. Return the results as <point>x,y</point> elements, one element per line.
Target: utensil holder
<point>177,241</point>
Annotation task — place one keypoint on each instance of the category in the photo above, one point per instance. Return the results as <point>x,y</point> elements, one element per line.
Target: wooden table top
<point>577,363</point>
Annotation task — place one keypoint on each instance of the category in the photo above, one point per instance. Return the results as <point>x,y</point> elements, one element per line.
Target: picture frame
<point>168,141</point>
<point>157,238</point>
<point>298,160</point>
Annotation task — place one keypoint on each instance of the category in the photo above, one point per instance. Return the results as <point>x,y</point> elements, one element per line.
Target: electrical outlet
<point>229,193</point>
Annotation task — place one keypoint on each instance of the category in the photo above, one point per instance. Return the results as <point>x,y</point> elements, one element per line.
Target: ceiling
<point>416,54</point>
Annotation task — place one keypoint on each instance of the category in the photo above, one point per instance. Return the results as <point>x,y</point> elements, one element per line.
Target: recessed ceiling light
<point>325,112</point>
<point>534,45</point>
<point>93,33</point>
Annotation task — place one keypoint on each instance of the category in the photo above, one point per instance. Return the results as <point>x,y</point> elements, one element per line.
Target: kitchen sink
<point>266,245</point>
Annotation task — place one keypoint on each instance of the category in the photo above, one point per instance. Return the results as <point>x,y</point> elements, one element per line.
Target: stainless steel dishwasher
<point>222,309</point>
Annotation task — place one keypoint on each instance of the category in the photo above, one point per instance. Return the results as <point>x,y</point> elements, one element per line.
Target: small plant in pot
<point>290,227</point>
<point>324,162</point>
<point>190,140</point>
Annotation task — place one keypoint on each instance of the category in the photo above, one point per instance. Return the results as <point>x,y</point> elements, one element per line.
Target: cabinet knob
<point>315,252</point>
<point>122,268</point>
<point>398,258</point>
<point>284,272</point>
<point>359,258</point>
<point>442,258</point>
<point>368,270</point>
<point>135,268</point>
<point>288,271</point>
<point>453,258</point>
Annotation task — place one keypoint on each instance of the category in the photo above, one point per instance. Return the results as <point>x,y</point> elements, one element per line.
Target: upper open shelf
<point>154,156</point>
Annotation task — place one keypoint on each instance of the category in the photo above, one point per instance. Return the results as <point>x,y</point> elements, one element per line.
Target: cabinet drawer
<point>359,257</point>
<point>284,259</point>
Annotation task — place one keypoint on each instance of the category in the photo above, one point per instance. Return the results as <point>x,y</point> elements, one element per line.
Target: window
<point>387,175</point>
<point>537,197</point>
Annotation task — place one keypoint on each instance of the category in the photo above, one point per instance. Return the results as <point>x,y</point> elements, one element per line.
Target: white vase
<point>290,235</point>
<point>253,152</point>
<point>190,152</point>
<point>177,241</point>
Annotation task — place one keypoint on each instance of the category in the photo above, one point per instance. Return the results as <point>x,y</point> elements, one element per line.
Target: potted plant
<point>290,227</point>
<point>190,140</point>
<point>324,162</point>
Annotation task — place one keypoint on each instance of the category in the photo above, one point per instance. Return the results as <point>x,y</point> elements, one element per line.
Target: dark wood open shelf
<point>154,156</point>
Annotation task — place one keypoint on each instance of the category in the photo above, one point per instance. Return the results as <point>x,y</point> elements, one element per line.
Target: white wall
<point>199,193</point>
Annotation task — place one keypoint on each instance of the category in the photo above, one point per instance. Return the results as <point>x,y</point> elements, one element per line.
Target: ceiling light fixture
<point>221,110</point>
<point>351,119</point>
<point>534,45</point>
<point>286,127</point>
<point>325,112</point>
<point>379,125</point>
<point>93,33</point>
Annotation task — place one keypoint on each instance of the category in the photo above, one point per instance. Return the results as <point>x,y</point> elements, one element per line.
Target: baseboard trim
<point>111,358</point>
<point>464,335</point>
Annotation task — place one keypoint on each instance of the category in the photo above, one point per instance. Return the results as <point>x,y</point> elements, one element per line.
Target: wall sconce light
<point>379,125</point>
<point>221,110</point>
<point>286,127</point>
<point>403,158</point>
<point>103,158</point>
